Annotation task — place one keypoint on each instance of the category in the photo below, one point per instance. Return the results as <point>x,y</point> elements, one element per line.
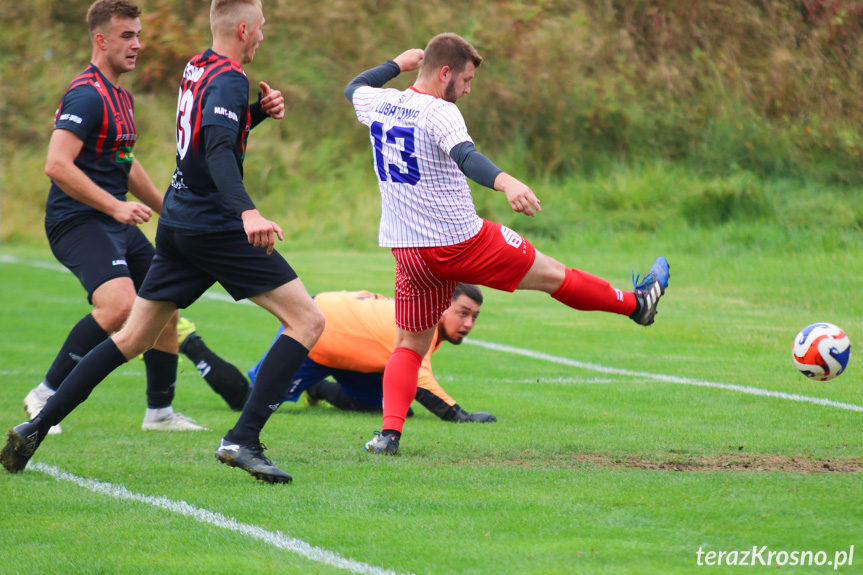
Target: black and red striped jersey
<point>101,114</point>
<point>214,91</point>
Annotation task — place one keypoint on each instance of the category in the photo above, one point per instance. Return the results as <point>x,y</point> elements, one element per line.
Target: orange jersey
<point>360,335</point>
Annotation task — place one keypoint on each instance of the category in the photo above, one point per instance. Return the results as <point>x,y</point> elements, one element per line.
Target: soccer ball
<point>821,351</point>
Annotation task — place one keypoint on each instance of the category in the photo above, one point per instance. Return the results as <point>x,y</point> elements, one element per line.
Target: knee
<point>315,322</point>
<point>306,327</point>
<point>131,344</point>
<point>546,274</point>
<point>113,316</point>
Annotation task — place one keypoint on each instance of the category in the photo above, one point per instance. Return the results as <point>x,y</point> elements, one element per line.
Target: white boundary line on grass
<point>274,538</point>
<point>661,377</point>
<point>563,360</point>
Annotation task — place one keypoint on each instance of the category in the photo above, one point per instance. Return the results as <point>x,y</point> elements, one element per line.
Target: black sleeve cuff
<point>256,113</point>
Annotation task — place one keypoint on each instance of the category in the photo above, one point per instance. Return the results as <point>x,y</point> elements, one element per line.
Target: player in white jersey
<point>413,134</point>
<point>422,157</point>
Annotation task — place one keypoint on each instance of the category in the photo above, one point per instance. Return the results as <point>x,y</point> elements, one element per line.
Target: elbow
<point>349,92</point>
<point>52,169</point>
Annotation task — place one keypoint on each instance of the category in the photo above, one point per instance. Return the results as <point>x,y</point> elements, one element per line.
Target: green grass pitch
<point>585,471</point>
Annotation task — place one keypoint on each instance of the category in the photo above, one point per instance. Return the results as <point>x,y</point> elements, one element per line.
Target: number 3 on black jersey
<point>184,122</point>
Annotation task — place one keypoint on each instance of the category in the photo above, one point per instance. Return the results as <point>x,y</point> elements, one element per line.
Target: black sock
<point>86,335</point>
<point>386,432</point>
<point>223,377</point>
<point>639,305</point>
<point>90,371</point>
<point>161,378</point>
<point>274,378</point>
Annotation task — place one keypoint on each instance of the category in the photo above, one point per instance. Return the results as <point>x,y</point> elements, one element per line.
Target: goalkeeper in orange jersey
<point>357,342</point>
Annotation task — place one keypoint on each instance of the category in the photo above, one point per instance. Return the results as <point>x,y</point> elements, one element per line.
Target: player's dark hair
<point>101,12</point>
<point>451,50</point>
<point>469,290</point>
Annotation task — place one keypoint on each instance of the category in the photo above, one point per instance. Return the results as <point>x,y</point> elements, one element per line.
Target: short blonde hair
<point>226,14</point>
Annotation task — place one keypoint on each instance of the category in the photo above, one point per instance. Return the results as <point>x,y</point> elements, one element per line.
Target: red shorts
<point>496,257</point>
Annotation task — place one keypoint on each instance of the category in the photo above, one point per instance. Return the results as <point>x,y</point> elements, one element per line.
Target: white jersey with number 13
<point>425,198</point>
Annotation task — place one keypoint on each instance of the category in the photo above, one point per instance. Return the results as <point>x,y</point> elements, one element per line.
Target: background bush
<point>650,111</point>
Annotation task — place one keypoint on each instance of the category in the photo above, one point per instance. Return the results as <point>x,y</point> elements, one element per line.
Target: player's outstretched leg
<point>252,459</point>
<point>649,290</point>
<point>22,442</point>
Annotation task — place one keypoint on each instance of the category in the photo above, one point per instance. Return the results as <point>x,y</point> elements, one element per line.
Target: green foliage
<point>571,95</point>
<point>740,198</point>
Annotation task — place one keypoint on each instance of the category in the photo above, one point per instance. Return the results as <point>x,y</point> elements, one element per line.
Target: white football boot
<point>36,400</point>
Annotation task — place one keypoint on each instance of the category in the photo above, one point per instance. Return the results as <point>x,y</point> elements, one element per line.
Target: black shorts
<point>96,250</point>
<point>188,263</point>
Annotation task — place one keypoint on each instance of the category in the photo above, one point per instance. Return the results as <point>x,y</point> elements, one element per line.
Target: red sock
<point>400,386</point>
<point>586,292</point>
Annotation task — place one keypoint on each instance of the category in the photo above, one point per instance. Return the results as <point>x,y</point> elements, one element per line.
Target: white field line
<point>274,538</point>
<point>570,362</point>
<point>660,377</point>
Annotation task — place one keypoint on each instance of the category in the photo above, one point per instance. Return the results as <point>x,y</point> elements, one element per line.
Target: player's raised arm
<point>380,75</point>
<point>409,59</point>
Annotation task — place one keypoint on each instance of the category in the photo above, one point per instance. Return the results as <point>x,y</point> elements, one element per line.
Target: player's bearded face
<point>459,84</point>
<point>449,92</point>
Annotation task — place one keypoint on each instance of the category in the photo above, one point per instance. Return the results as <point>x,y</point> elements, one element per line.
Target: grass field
<point>588,470</point>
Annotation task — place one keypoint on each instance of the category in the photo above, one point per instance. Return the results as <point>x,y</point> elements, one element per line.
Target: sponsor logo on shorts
<point>119,263</point>
<point>511,237</point>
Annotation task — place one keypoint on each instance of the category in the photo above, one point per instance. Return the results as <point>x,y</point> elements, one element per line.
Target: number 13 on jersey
<point>399,140</point>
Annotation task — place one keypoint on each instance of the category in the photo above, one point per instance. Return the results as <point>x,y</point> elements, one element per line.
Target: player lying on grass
<point>423,156</point>
<point>357,342</point>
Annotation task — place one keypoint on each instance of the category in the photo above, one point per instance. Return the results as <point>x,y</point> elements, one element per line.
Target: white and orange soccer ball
<point>821,351</point>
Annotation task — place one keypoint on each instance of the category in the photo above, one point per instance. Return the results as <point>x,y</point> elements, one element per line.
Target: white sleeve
<point>446,126</point>
<point>362,100</point>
